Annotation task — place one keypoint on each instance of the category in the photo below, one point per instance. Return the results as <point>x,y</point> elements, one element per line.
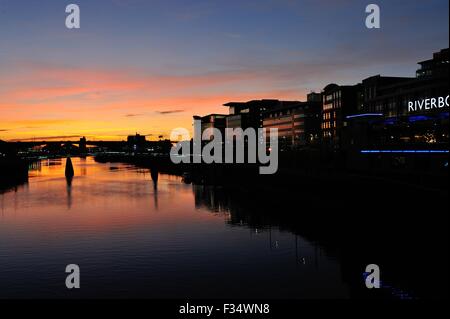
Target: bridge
<point>82,146</point>
<point>31,144</point>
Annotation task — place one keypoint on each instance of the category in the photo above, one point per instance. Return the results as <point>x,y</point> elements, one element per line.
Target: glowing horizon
<point>148,67</point>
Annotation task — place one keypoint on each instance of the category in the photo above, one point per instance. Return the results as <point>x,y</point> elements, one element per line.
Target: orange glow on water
<point>100,199</point>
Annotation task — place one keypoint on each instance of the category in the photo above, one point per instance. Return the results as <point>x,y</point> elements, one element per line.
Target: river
<point>133,236</point>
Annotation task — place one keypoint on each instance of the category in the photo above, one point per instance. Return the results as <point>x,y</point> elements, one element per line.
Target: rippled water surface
<point>136,237</point>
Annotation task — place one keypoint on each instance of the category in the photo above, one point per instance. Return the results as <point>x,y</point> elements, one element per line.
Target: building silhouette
<point>339,101</point>
<point>136,143</point>
<point>211,121</point>
<point>82,145</point>
<point>386,120</point>
<point>438,66</point>
<point>345,121</point>
<point>298,123</point>
<point>251,114</point>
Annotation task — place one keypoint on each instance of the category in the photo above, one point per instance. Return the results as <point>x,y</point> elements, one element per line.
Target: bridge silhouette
<point>29,144</point>
<point>112,144</point>
<point>82,146</point>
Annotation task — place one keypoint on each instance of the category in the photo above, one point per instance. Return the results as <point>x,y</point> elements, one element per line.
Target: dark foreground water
<point>133,237</point>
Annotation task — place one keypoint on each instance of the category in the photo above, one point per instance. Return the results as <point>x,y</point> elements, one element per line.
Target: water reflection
<point>338,238</point>
<point>136,234</point>
<point>258,217</point>
<point>83,166</point>
<point>154,174</point>
<point>35,166</point>
<point>69,180</point>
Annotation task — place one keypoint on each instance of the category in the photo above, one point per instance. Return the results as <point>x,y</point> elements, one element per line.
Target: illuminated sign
<point>428,104</point>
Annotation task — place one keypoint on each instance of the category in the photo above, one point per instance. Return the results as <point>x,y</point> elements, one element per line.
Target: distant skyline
<point>148,66</point>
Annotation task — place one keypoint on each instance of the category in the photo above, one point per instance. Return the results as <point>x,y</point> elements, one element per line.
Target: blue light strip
<point>363,115</point>
<point>419,118</point>
<point>405,151</point>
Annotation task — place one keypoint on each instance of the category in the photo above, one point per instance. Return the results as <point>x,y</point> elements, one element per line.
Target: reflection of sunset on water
<point>104,197</point>
<point>165,240</point>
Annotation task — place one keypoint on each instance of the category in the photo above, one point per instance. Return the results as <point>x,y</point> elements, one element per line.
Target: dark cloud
<point>134,114</point>
<point>169,112</point>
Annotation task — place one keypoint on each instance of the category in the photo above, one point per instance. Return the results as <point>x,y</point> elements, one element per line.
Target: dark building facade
<point>405,112</point>
<point>404,122</point>
<point>5,149</point>
<point>338,103</point>
<point>374,91</point>
<point>436,67</point>
<point>298,123</point>
<point>82,145</point>
<point>136,143</point>
<point>217,121</point>
<point>250,114</point>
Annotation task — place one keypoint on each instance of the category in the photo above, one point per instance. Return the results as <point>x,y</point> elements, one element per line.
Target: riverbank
<point>292,166</point>
<point>13,171</point>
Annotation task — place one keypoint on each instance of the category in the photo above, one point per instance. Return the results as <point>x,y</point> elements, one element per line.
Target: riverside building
<point>298,123</point>
<point>404,120</point>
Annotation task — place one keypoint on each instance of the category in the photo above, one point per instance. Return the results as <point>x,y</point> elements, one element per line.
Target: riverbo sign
<point>428,104</point>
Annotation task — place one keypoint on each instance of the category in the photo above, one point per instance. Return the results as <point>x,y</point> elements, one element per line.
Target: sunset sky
<point>147,66</point>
